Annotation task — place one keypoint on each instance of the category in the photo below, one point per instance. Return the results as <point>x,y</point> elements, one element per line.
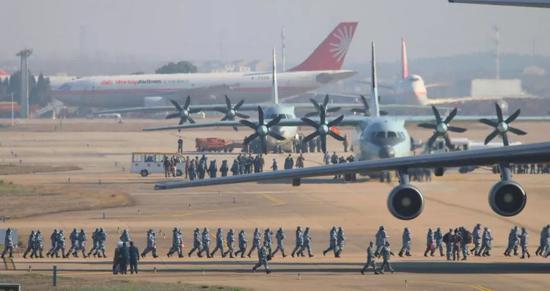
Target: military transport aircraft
<point>384,145</point>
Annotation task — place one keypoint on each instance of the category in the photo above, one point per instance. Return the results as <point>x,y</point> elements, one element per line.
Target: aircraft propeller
<point>502,126</point>
<point>442,127</point>
<point>262,129</point>
<point>183,112</point>
<point>366,108</point>
<point>231,111</point>
<point>318,107</point>
<point>323,128</point>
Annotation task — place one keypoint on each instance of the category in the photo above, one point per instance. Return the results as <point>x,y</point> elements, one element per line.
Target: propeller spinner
<point>323,128</point>
<point>441,127</point>
<point>262,129</point>
<point>502,126</point>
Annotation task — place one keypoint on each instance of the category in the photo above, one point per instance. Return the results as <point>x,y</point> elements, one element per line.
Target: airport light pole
<point>12,111</point>
<point>24,76</point>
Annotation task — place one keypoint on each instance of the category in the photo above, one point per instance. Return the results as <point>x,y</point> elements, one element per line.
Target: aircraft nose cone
<point>387,152</point>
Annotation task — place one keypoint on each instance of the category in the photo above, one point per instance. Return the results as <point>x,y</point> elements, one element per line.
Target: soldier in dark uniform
<point>274,166</point>
<point>242,244</point>
<point>180,146</point>
<point>123,258</point>
<point>370,259</point>
<point>192,170</point>
<point>224,168</point>
<point>235,167</point>
<point>30,243</point>
<point>212,169</point>
<point>197,243</point>
<point>134,258</point>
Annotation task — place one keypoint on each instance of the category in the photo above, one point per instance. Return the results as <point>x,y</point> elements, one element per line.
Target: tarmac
<point>102,148</point>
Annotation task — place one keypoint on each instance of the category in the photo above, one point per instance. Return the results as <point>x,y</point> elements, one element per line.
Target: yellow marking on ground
<point>276,201</point>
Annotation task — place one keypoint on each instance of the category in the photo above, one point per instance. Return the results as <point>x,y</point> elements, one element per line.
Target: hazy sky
<point>202,29</point>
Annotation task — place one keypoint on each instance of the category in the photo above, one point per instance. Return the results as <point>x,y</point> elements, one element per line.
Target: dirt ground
<point>104,194</point>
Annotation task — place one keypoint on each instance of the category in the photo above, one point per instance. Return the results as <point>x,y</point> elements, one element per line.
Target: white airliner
<point>524,3</point>
<point>411,89</point>
<point>323,66</point>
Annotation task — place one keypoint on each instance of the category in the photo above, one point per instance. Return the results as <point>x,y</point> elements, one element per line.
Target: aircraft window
<point>392,134</point>
<point>380,135</point>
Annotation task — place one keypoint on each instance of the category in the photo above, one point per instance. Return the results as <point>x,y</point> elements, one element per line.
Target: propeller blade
<point>235,128</point>
<point>516,131</point>
<point>448,141</point>
<point>491,136</point>
<point>227,102</point>
<point>191,120</point>
<point>499,113</point>
<point>325,102</point>
<point>260,115</point>
<point>310,122</point>
<point>187,102</point>
<point>310,137</point>
<point>334,109</point>
<point>315,104</point>
<point>239,105</point>
<point>437,115</point>
<point>513,117</point>
<point>263,141</point>
<point>311,114</point>
<point>176,104</point>
<point>194,110</point>
<point>505,139</point>
<point>323,143</point>
<point>276,135</point>
<point>182,120</point>
<point>336,121</point>
<point>365,102</point>
<point>456,129</point>
<point>172,115</point>
<point>241,115</point>
<point>322,115</point>
<point>224,118</point>
<point>451,116</point>
<point>427,125</point>
<point>489,122</point>
<point>250,138</point>
<point>274,121</point>
<point>336,136</point>
<point>248,123</point>
<point>432,140</point>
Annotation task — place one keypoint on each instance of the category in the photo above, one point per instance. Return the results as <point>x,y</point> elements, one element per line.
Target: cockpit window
<point>392,134</point>
<point>380,135</point>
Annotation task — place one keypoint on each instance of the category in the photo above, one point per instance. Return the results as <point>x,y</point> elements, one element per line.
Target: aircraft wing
<point>529,153</point>
<point>428,118</point>
<point>525,3</point>
<point>347,121</point>
<point>455,100</point>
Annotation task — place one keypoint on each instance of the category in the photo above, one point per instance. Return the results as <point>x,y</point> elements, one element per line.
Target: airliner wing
<point>525,3</point>
<point>347,121</point>
<point>528,153</point>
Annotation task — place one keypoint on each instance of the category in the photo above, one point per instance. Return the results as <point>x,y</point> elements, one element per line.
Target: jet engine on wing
<point>507,198</point>
<point>405,202</point>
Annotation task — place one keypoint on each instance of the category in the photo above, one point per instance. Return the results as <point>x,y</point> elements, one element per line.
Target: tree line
<point>39,89</point>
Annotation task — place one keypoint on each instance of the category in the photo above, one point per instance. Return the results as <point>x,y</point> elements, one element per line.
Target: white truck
<point>146,163</point>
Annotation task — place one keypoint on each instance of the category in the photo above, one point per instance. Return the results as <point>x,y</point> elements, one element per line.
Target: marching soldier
<point>340,242</point>
<point>224,168</point>
<point>205,243</point>
<point>487,242</point>
<point>73,238</point>
<point>307,242</point>
<point>280,236</point>
<point>476,237</point>
<point>151,244</point>
<point>125,236</point>
<point>30,244</point>
<point>438,237</point>
<point>256,237</point>
<point>53,240</point>
<point>298,249</point>
<point>430,246</point>
<point>268,234</point>
<point>197,243</point>
<point>230,240</point>
<point>333,239</point>
<point>381,238</point>
<point>37,245</point>
<point>386,254</point>
<point>370,259</point>
<point>177,243</point>
<point>262,260</point>
<point>242,244</point>
<point>81,241</point>
<point>406,248</point>
<point>524,240</point>
<point>219,243</point>
<point>8,243</point>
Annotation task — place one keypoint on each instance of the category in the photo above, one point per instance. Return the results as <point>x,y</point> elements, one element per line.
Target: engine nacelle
<point>507,198</point>
<point>405,202</point>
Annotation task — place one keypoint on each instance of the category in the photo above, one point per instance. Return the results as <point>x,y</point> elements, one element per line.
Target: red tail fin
<point>404,60</point>
<point>330,54</point>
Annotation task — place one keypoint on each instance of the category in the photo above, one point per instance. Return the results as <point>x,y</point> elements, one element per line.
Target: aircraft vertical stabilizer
<point>404,60</point>
<point>374,81</point>
<point>275,84</point>
<point>330,54</point>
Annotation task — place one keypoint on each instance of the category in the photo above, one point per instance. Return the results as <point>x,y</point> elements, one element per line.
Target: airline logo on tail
<point>330,54</point>
<point>404,60</point>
